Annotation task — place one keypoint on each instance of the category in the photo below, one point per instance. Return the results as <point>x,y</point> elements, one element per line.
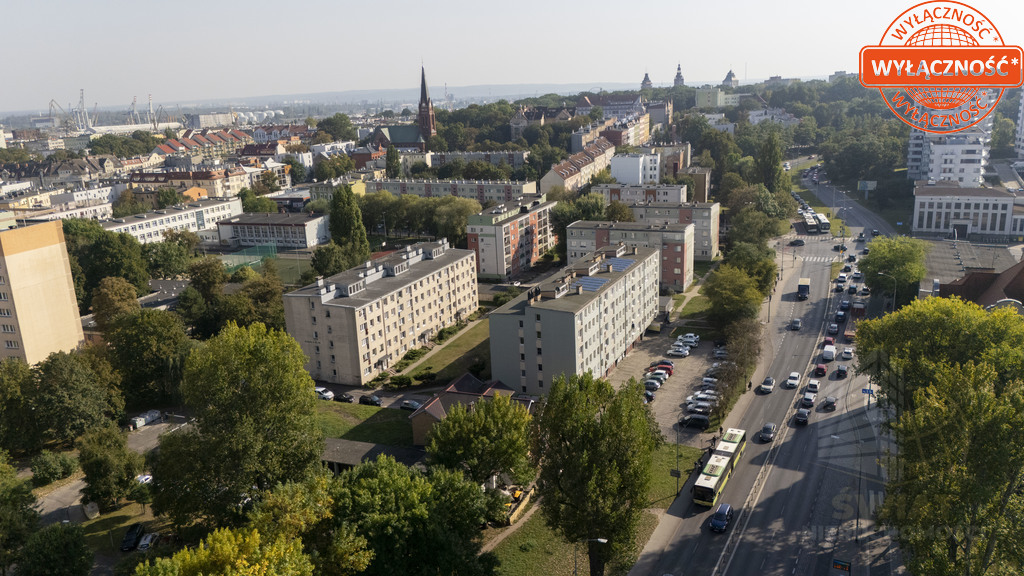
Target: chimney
<point>579,289</point>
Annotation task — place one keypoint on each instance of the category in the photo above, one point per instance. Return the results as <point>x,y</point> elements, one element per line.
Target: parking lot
<point>670,400</point>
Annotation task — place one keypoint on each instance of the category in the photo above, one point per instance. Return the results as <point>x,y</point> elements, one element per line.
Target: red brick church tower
<point>426,113</point>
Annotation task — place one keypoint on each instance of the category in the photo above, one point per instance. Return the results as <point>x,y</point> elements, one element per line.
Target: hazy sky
<point>191,50</point>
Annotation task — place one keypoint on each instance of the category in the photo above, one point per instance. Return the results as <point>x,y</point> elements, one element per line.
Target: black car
<point>851,258</point>
<point>844,305</point>
<point>344,397</point>
<point>411,405</point>
<point>797,242</point>
<point>721,518</point>
<point>132,537</point>
<point>875,232</point>
<point>370,400</point>
<point>847,268</point>
<point>840,316</point>
<point>842,371</point>
<point>768,432</point>
<point>648,396</point>
<point>802,416</point>
<point>829,403</point>
<point>695,421</point>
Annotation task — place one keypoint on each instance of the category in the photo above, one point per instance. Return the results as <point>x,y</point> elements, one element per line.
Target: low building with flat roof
<point>287,230</point>
<point>200,217</point>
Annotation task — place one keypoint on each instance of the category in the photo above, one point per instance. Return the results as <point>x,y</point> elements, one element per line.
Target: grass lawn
<point>104,533</point>
<point>536,549</point>
<point>290,269</point>
<point>701,267</point>
<point>697,307</point>
<point>458,354</point>
<point>663,485</point>
<point>365,423</point>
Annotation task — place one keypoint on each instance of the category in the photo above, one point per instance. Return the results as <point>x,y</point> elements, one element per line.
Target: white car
<point>147,541</point>
<point>678,352</point>
<point>689,336</point>
<point>841,279</point>
<point>794,380</point>
<point>857,275</point>
<point>847,353</point>
<point>687,342</point>
<point>813,386</point>
<point>323,393</point>
<point>768,385</point>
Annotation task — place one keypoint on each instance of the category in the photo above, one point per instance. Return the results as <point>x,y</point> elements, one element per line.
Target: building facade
<point>635,194</point>
<point>575,172</point>
<point>356,324</point>
<point>636,169</point>
<point>630,131</point>
<point>584,320</point>
<point>949,210</point>
<point>959,157</point>
<point>219,183</point>
<point>512,158</point>
<point>288,230</point>
<point>705,217</point>
<point>38,307</point>
<point>499,191</point>
<point>621,107</point>
<point>673,241</point>
<point>200,217</point>
<point>715,97</point>
<point>510,238</point>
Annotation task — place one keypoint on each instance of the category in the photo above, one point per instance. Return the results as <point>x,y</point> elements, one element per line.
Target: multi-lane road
<point>804,500</point>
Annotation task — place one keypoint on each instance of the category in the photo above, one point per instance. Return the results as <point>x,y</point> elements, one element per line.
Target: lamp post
<point>575,547</point>
<point>893,288</point>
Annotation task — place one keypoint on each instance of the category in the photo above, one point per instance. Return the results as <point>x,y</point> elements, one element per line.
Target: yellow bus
<point>716,473</point>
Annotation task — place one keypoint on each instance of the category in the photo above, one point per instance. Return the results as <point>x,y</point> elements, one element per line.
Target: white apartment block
<point>634,194</point>
<point>705,217</point>
<point>714,97</point>
<point>71,210</point>
<point>480,190</point>
<point>288,230</point>
<point>673,241</point>
<point>357,323</point>
<point>946,209</point>
<point>510,238</point>
<point>1018,143</point>
<point>200,217</point>
<point>960,157</point>
<point>636,169</point>
<point>584,320</point>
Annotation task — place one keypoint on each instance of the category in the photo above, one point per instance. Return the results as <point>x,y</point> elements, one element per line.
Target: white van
<point>829,353</point>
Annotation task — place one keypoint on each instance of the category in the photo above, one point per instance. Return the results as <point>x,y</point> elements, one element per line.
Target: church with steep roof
<point>410,135</point>
<point>646,84</point>
<point>678,80</point>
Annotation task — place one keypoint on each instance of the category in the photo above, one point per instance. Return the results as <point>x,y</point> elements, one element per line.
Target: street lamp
<point>893,288</point>
<point>575,547</point>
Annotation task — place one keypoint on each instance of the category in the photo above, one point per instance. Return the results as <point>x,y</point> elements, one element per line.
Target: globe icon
<point>941,98</point>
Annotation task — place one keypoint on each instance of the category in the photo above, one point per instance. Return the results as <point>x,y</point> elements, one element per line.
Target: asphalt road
<point>796,497</point>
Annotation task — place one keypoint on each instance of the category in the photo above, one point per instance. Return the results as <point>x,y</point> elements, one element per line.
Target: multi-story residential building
<point>219,183</point>
<point>576,171</point>
<point>633,194</point>
<point>959,157</point>
<point>949,210</point>
<point>499,191</point>
<point>715,97</point>
<point>773,115</point>
<point>38,308</point>
<point>325,190</point>
<point>660,114</point>
<point>79,171</point>
<point>629,131</point>
<point>200,121</point>
<point>671,159</point>
<point>512,158</point>
<point>282,132</point>
<point>355,324</point>
<point>636,169</point>
<point>85,211</point>
<point>288,230</point>
<point>621,107</point>
<point>538,115</point>
<point>586,135</point>
<point>200,217</point>
<point>673,241</point>
<point>705,216</point>
<point>511,237</point>
<point>701,177</point>
<point>584,320</point>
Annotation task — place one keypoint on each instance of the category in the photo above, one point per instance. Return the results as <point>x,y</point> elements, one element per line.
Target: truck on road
<point>803,289</point>
<point>858,310</point>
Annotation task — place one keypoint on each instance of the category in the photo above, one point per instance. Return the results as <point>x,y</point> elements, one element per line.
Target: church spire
<point>678,80</point>
<point>425,118</point>
<point>424,93</point>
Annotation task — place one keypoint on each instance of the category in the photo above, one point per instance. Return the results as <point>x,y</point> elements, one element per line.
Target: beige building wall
<point>38,309</point>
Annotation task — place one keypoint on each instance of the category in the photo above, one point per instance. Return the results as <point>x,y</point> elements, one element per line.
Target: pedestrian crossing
<point>820,258</point>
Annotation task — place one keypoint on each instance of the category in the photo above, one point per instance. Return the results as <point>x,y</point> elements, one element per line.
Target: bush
<point>425,377</point>
<point>48,467</point>
<point>447,332</point>
<point>400,381</point>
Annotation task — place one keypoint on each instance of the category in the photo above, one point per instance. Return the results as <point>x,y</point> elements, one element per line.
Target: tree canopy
<point>56,550</point>
<point>238,552</point>
<point>110,467</point>
<point>733,294</point>
<point>18,517</point>
<point>901,258</point>
<point>347,229</point>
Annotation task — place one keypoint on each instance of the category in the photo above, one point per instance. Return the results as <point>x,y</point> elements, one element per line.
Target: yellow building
<point>38,309</point>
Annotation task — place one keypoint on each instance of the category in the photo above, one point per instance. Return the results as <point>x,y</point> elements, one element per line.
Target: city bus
<point>823,223</point>
<point>720,467</point>
<point>810,223</point>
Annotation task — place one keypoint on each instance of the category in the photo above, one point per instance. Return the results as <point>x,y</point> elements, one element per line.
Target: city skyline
<point>215,51</point>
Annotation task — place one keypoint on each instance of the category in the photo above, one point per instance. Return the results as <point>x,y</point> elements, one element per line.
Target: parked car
<point>688,343</point>
<point>803,415</point>
<point>829,403</point>
<point>652,385</point>
<point>768,432</point>
<point>663,368</point>
<point>842,371</point>
<point>721,518</point>
<point>813,386</point>
<point>875,232</point>
<point>767,385</point>
<point>820,370</point>
<point>132,537</point>
<point>663,361</point>
<point>794,380</point>
<point>678,352</point>
<point>648,396</point>
<point>700,408</point>
<point>344,397</point>
<point>411,405</point>
<point>323,393</point>
<point>847,353</point>
<point>147,541</point>
<point>808,399</point>
<point>691,336</point>
<point>695,421</point>
<point>866,251</point>
<point>370,400</point>
<point>721,354</point>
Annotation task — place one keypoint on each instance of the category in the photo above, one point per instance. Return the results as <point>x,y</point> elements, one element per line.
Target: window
<point>12,345</point>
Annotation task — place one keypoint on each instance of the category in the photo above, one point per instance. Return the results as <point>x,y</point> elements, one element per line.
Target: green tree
<point>18,516</point>
<point>393,166</point>
<point>757,260</point>
<point>769,162</point>
<point>901,260</point>
<point>259,300</point>
<point>338,126</point>
<point>187,239</point>
<point>110,467</point>
<point>255,426</point>
<point>166,259</point>
<point>168,197</point>
<point>149,349</point>
<point>208,277</point>
<point>56,550</point>
<point>347,230</point>
<point>251,203</point>
<point>752,226</point>
<point>318,206</point>
<point>113,297</point>
<point>328,260</point>
<point>268,182</point>
<point>618,212</point>
<point>18,425</point>
<point>297,170</point>
<point>241,552</point>
<point>415,524</point>
<point>451,217</point>
<point>1002,134</point>
<point>595,447</point>
<point>490,439</point>
<point>111,254</point>
<point>70,398</point>
<point>733,294</point>
<point>333,167</point>
<point>127,205</point>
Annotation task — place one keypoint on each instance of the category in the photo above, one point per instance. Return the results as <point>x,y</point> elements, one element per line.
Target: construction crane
<point>133,112</point>
<point>65,121</point>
